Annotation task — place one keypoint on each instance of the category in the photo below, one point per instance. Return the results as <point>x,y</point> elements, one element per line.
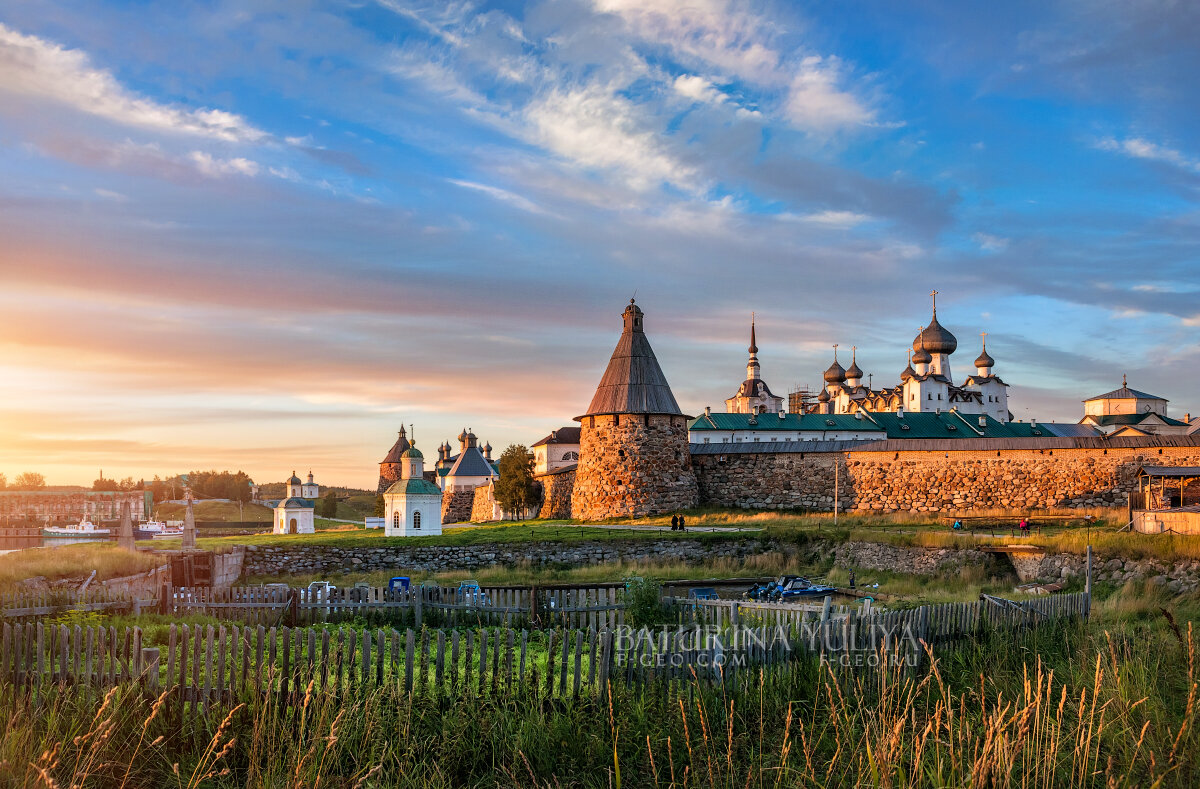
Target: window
<point>396,521</point>
<point>416,520</point>
<point>706,441</point>
<point>929,396</point>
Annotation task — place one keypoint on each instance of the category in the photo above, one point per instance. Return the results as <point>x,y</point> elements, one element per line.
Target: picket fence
<point>207,665</point>
<point>582,608</point>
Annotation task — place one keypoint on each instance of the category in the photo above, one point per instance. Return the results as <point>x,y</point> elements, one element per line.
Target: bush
<point>643,604</point>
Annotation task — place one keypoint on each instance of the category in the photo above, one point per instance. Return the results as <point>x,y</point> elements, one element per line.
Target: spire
<point>1124,381</point>
<point>753,344</point>
<point>633,382</point>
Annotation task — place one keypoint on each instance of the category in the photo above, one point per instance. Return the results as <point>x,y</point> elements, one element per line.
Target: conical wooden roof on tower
<point>633,382</point>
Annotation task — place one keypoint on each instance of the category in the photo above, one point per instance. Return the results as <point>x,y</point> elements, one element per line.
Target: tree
<point>380,507</point>
<point>516,490</point>
<point>29,480</point>
<point>3,482</point>
<point>327,506</point>
<point>105,484</point>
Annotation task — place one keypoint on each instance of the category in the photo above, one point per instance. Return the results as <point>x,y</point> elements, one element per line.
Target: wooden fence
<point>595,608</point>
<point>207,665</point>
<point>33,605</point>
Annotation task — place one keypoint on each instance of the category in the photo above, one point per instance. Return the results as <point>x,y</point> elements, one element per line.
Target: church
<point>926,383</point>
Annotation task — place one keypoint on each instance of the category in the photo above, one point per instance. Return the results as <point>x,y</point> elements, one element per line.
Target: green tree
<point>29,480</point>
<point>380,507</point>
<point>327,506</point>
<point>3,482</point>
<point>516,490</point>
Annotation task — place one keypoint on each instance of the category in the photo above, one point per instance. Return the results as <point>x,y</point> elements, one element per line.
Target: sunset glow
<point>250,236</point>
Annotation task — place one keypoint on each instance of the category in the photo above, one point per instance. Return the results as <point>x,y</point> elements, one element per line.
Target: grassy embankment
<point>1107,704</point>
<point>73,561</point>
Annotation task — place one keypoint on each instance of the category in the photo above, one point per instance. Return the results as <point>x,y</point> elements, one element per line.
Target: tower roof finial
<point>753,343</point>
<point>934,294</point>
<point>1124,381</point>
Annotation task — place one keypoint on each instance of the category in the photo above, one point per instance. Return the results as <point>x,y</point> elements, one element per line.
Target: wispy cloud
<point>1141,148</point>
<point>42,69</point>
<point>501,194</point>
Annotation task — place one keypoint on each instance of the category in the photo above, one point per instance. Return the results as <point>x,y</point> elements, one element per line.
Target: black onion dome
<point>908,373</point>
<point>836,374</point>
<point>922,356</point>
<point>823,397</point>
<point>985,360</point>
<point>935,338</point>
<point>853,371</point>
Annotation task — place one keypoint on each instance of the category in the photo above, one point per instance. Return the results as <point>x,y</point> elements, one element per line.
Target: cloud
<point>1141,148</point>
<point>816,102</point>
<point>35,67</point>
<point>990,243</point>
<point>698,89</point>
<point>596,129</point>
<point>213,167</point>
<point>501,194</point>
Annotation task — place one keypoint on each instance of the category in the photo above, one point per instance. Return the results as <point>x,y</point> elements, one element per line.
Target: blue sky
<point>263,234</point>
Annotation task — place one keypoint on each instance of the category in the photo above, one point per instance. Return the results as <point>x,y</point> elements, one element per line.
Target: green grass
<point>74,561</point>
<point>215,511</point>
<point>1108,704</point>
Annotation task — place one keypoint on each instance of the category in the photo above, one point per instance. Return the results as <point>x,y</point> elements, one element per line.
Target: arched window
<point>416,520</point>
<point>396,520</point>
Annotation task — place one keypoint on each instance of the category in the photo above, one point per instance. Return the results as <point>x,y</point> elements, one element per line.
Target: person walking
<point>682,524</point>
<point>674,523</point>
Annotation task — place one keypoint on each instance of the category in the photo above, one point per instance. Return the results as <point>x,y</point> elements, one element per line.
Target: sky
<point>263,235</point>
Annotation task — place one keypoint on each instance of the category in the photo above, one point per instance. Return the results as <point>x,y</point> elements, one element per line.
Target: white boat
<point>85,529</point>
<point>167,534</point>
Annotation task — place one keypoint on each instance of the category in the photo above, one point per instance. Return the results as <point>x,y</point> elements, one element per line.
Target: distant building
<point>754,396</point>
<point>389,467</point>
<point>310,489</point>
<point>412,504</point>
<point>559,450</point>
<point>926,383</point>
<point>470,468</point>
<point>72,506</point>
<point>1128,412</point>
<point>294,514</point>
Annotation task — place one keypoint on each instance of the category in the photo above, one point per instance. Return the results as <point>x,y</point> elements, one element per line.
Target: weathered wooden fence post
<point>1087,588</point>
<point>164,600</point>
<point>293,606</point>
<point>417,607</point>
<point>150,661</point>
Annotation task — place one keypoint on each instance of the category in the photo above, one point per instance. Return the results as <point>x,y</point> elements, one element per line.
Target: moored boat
<point>85,529</point>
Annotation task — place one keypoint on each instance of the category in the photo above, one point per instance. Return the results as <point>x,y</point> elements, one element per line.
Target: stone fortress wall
<point>946,476</point>
<point>631,465</point>
<point>556,495</point>
<point>457,505</point>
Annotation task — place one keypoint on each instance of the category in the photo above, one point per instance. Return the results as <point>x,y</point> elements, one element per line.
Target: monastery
<point>929,443</point>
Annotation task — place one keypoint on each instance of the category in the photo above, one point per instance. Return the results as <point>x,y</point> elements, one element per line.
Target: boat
<point>147,530</point>
<point>85,529</point>
<point>788,587</point>
<point>167,533</point>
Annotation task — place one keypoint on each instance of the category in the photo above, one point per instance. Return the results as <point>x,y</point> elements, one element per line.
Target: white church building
<point>294,514</point>
<point>926,385</point>
<point>412,504</point>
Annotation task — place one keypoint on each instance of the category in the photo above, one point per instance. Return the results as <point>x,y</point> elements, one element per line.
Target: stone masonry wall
<point>928,481</point>
<point>556,495</point>
<point>286,559</point>
<point>482,506</point>
<point>457,505</point>
<point>631,465</point>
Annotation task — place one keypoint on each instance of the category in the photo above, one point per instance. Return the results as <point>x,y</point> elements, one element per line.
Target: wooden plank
<point>208,666</point>
<point>578,660</point>
<point>454,683</point>
<point>468,661</point>
<point>222,648</point>
<point>409,663</point>
<point>379,657</point>
<point>483,649</point>
<point>440,663</point>
<point>508,662</point>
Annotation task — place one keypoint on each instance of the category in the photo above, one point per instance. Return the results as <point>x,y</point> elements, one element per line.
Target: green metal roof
<point>294,501</point>
<point>415,487</point>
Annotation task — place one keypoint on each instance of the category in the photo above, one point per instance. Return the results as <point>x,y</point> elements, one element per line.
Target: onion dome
<point>835,374</point>
<point>936,338</point>
<point>921,356</point>
<point>463,435</point>
<point>823,397</point>
<point>412,452</point>
<point>854,372</point>
<point>985,359</point>
<point>294,480</point>
<point>908,373</point>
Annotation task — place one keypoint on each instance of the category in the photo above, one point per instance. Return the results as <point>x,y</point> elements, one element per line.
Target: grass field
<point>215,511</point>
<point>1108,704</point>
<point>73,561</point>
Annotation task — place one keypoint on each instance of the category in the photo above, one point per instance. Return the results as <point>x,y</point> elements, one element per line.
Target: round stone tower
<point>633,442</point>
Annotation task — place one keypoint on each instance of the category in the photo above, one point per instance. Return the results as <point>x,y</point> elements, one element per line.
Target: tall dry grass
<point>73,561</point>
